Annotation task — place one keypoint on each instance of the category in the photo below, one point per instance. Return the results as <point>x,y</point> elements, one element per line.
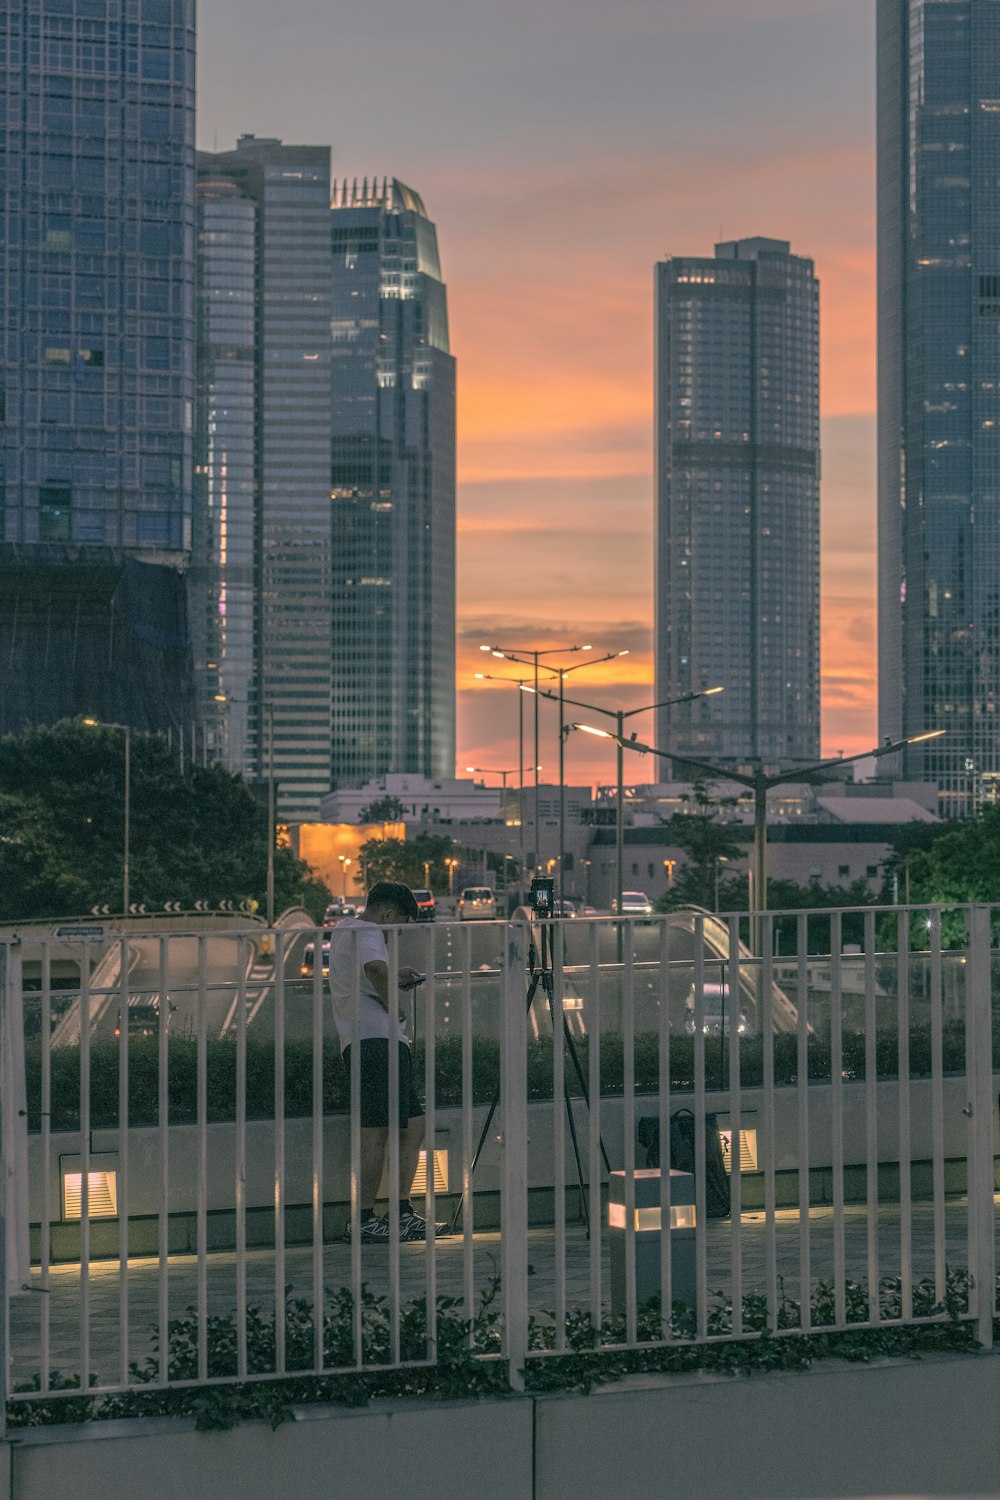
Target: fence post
<point>5,1146</point>
<point>979,1109</point>
<point>513,1140</point>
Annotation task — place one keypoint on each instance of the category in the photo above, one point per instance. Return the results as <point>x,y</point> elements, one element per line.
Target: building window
<point>843,871</point>
<point>54,502</point>
<point>872,871</point>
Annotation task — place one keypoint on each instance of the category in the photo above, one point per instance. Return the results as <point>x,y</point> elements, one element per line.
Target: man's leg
<point>373,1143</point>
<point>410,1141</point>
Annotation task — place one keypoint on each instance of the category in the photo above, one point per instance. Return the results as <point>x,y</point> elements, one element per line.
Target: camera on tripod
<point>542,896</point>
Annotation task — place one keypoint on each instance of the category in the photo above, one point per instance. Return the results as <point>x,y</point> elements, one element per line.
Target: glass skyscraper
<point>393,489</point>
<point>96,359</point>
<point>263,513</point>
<point>97,261</point>
<point>939,389</point>
<point>737,518</point>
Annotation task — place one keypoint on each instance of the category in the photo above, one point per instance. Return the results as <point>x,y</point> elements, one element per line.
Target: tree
<point>404,860</point>
<point>949,864</point>
<point>706,842</point>
<point>382,810</point>
<point>196,835</point>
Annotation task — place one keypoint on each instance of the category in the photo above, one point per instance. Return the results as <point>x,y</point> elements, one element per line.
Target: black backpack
<point>682,1155</point>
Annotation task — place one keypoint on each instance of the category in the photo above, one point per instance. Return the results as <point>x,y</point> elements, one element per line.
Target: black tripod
<point>541,974</point>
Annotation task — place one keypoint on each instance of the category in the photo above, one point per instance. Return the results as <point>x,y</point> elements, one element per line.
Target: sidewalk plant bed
<point>221,1071</point>
<point>468,1353</point>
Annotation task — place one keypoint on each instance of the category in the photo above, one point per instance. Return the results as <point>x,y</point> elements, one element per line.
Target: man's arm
<point>377,974</point>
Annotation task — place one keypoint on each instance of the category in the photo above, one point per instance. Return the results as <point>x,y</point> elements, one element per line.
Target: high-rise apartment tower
<point>737,518</point>
<point>939,390</point>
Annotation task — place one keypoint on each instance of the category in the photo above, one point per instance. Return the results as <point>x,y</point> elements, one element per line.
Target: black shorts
<point>375,1083</point>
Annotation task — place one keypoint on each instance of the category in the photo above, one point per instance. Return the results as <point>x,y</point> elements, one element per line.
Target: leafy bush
<point>220,1063</point>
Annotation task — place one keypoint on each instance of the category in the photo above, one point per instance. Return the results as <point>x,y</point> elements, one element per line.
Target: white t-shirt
<point>354,943</point>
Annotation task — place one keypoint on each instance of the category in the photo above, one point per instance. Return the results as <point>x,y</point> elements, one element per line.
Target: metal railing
<point>195,1159</point>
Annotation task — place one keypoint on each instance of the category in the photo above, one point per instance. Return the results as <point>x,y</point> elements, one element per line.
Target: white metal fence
<point>194,1160</point>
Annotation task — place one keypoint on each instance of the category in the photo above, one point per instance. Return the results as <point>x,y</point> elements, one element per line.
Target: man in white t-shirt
<point>359,975</point>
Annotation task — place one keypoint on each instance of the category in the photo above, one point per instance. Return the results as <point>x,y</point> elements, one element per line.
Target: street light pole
<point>760,784</point>
<point>620,715</point>
<point>271,832</point>
<point>126,852</point>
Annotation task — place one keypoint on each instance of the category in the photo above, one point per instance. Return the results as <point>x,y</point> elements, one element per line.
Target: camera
<point>542,896</point>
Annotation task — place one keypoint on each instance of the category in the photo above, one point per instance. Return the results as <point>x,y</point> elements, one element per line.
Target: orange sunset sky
<point>561,152</point>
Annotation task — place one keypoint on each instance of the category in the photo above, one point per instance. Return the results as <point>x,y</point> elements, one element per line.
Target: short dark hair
<point>393,893</point>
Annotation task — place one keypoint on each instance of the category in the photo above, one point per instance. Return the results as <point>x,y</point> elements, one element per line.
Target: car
<point>634,904</point>
<point>477,903</point>
<point>308,964</point>
<point>337,911</point>
<point>425,905</point>
<point>716,1014</point>
<point>564,909</point>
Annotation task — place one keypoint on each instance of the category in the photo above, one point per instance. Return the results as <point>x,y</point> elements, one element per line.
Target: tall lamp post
<point>271,811</point>
<point>562,673</point>
<point>518,682</point>
<point>760,784</point>
<point>525,657</point>
<point>620,715</point>
<point>492,771</point>
<point>126,730</point>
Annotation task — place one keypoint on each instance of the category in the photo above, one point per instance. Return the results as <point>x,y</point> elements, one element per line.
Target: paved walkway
<point>65,1302</point>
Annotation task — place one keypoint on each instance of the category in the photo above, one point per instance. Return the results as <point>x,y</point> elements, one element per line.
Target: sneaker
<point>413,1227</point>
<point>373,1231</point>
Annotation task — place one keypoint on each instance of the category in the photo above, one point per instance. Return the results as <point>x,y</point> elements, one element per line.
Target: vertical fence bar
<point>770,1142</point>
<point>979,1112</point>
<point>123,1194</point>
<point>594,1135</point>
<point>240,1130</point>
<point>514,1155</point>
<point>664,1017</point>
<point>837,1116</point>
<point>163,1137</point>
<point>627,937</point>
<point>279,1135</point>
<point>735,1121</point>
<point>871,1127</point>
<point>395,1123</point>
<point>700,1195</point>
<point>430,1106</point>
<point>903,1094</point>
<point>45,1244</point>
<point>802,1091</point>
<point>318,1195</point>
<point>560,1105</point>
<point>937,1109</point>
<point>85,1005</point>
<point>201,1064</point>
<point>468,1150</point>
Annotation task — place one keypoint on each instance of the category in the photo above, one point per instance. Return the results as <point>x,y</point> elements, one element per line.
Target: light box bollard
<point>647,1238</point>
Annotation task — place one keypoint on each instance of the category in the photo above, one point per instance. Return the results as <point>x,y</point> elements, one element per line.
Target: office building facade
<point>393,489</point>
<point>96,353</point>
<point>737,517</point>
<point>939,391</point>
<point>263,512</point>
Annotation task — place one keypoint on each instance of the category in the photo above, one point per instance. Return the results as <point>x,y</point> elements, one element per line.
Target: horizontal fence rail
<point>637,1133</point>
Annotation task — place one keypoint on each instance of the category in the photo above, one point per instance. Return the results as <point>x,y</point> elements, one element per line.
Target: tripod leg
<point>532,987</point>
<point>571,1044</point>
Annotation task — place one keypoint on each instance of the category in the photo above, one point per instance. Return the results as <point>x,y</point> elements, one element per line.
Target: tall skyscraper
<point>737,520</point>
<point>263,512</point>
<point>393,489</point>
<point>97,357</point>
<point>939,390</point>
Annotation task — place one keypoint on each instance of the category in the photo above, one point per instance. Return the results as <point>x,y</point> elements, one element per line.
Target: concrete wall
<point>144,1158</point>
<point>918,1428</point>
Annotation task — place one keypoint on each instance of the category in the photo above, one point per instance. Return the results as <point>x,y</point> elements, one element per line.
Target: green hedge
<point>143,1061</point>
